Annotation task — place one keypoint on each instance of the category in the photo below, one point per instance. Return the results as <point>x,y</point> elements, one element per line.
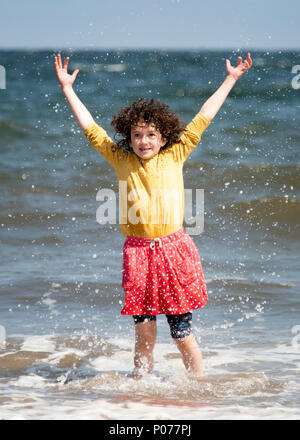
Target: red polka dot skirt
<point>162,275</point>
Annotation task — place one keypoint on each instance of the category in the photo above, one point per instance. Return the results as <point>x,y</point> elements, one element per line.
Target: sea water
<point>65,350</point>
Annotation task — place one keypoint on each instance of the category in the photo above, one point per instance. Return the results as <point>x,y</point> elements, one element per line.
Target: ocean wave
<point>253,174</point>
<point>99,67</point>
<point>91,293</point>
<point>19,354</point>
<point>42,219</point>
<point>266,91</point>
<point>240,284</point>
<point>257,128</point>
<point>93,364</point>
<point>251,294</point>
<point>12,130</point>
<point>266,174</point>
<point>277,211</point>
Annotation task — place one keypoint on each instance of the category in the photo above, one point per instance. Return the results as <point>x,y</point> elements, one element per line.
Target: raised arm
<point>211,107</point>
<point>81,113</point>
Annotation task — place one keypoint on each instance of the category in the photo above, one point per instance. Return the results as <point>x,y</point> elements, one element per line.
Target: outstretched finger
<point>247,64</point>
<point>74,74</point>
<point>240,59</point>
<point>56,64</point>
<point>249,60</point>
<point>59,61</point>
<point>66,63</point>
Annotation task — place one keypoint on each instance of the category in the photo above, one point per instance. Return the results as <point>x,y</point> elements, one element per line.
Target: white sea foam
<point>168,394</point>
<point>103,409</point>
<point>31,381</point>
<point>235,385</point>
<point>38,343</point>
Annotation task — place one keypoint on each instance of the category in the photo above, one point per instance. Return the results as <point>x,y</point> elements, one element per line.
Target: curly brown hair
<point>150,111</point>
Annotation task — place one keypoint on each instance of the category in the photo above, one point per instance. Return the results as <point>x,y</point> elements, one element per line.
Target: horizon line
<point>160,48</point>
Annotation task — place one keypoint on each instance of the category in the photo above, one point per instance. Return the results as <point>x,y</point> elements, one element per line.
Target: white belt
<point>152,244</point>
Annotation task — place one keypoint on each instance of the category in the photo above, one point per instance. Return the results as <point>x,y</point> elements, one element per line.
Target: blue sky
<point>195,24</point>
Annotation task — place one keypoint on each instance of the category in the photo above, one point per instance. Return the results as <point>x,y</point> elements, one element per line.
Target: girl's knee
<point>143,318</point>
<point>145,331</point>
<point>180,325</point>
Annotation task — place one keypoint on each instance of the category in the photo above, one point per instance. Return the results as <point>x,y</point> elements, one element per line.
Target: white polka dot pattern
<point>162,276</point>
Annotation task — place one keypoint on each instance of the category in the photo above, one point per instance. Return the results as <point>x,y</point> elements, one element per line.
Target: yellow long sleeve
<point>152,190</point>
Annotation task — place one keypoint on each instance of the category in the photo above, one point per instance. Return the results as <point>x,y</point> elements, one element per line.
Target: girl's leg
<point>181,332</point>
<point>145,338</point>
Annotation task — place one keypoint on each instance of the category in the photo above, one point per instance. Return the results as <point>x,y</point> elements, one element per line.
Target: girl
<point>162,271</point>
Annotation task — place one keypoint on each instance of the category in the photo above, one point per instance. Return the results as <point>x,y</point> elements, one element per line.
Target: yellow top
<point>151,190</point>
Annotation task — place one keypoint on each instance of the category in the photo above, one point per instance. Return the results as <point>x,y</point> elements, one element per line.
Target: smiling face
<point>146,141</point>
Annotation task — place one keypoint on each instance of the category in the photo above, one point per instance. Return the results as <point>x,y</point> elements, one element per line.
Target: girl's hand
<point>64,78</point>
<point>240,69</point>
